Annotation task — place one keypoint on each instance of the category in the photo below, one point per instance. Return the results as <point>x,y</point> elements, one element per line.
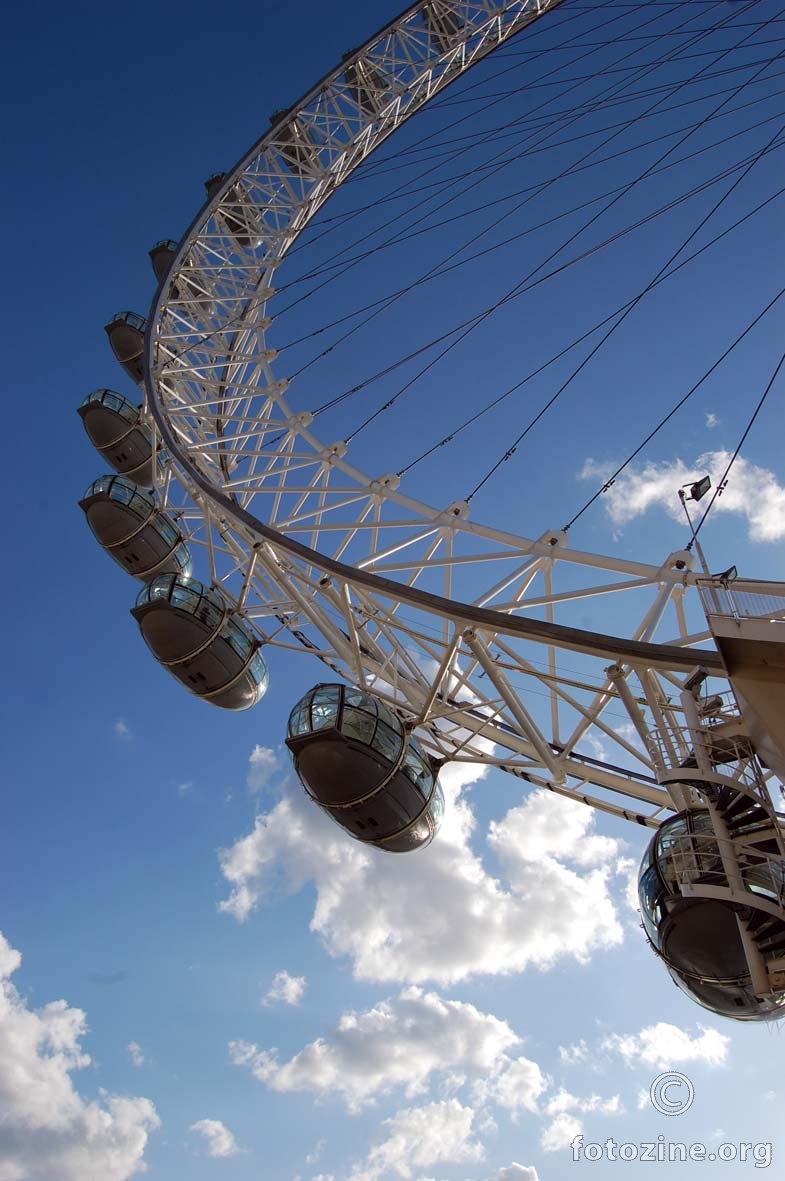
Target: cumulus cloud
<point>664,1046</point>
<point>516,1172</point>
<point>135,1051</point>
<point>564,1126</point>
<point>263,764</point>
<point>578,1052</point>
<point>48,1132</point>
<point>285,989</point>
<point>418,1137</point>
<point>517,1086</point>
<point>711,420</point>
<point>219,1141</point>
<point>565,1101</point>
<point>752,493</point>
<point>439,914</point>
<point>560,1133</point>
<point>122,730</point>
<point>401,1042</point>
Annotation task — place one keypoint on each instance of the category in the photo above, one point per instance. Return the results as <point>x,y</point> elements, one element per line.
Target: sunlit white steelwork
<point>472,633</point>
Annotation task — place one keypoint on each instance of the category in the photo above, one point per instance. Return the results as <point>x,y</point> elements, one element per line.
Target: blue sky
<point>443,1017</point>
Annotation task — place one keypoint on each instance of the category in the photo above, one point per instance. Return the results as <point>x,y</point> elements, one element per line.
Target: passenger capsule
<point>355,759</point>
<point>128,524</point>
<point>295,143</point>
<point>237,212</point>
<point>187,288</point>
<point>115,428</point>
<point>191,630</point>
<point>699,923</point>
<point>366,86</point>
<point>126,336</point>
<point>443,24</point>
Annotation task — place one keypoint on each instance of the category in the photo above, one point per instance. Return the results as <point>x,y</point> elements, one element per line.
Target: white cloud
<point>516,1172</point>
<point>183,789</point>
<point>664,1046</point>
<point>627,868</point>
<point>560,1133</point>
<point>564,1125</point>
<point>47,1131</point>
<point>316,1152</point>
<point>285,988</point>
<point>418,1137</point>
<point>219,1141</point>
<point>438,914</point>
<point>263,763</point>
<point>752,492</point>
<point>137,1056</point>
<point>711,420</point>
<point>578,1052</point>
<point>122,730</point>
<point>516,1086</point>
<point>400,1042</point>
<point>564,1101</point>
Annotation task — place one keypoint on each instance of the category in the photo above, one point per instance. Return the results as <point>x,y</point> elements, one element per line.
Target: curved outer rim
<point>282,559</point>
<point>651,655</point>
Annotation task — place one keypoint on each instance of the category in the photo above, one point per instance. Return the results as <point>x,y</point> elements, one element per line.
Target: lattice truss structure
<point>475,634</point>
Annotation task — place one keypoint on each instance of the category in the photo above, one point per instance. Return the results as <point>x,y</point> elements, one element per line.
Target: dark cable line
<point>448,265</point>
<point>674,410</point>
<point>537,282</point>
<point>717,205</point>
<point>496,164</point>
<point>474,322</point>
<point>522,283</point>
<point>722,483</point>
<point>401,194</point>
<point>395,164</point>
<point>207,337</point>
<point>487,136</point>
<point>336,265</point>
<point>579,340</point>
<point>495,133</point>
<point>538,54</point>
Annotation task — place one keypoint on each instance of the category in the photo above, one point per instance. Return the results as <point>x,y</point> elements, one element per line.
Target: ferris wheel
<point>442,639</point>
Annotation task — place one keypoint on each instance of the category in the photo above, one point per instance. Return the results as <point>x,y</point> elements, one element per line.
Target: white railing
<point>743,598</point>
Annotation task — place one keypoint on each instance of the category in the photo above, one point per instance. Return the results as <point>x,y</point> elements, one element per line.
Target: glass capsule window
<point>132,319</point>
<point>124,491</point>
<point>417,769</point>
<point>387,741</point>
<point>258,670</point>
<point>436,808</point>
<point>356,714</point>
<point>114,401</point>
<point>650,894</point>
<point>186,594</point>
<point>238,639</point>
<point>325,704</point>
<point>356,723</point>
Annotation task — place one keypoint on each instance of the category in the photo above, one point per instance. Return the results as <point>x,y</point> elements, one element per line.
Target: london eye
<point>271,491</point>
